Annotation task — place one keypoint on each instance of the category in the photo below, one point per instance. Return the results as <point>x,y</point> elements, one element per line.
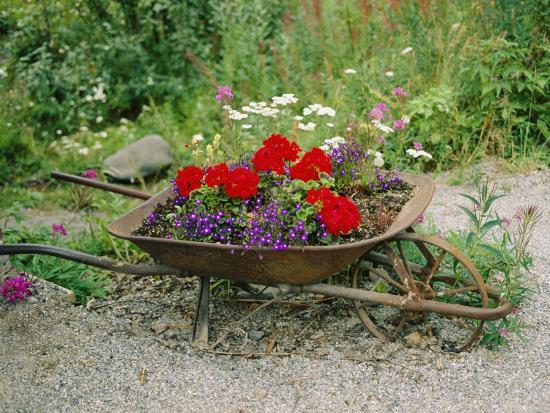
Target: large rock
<point>139,159</point>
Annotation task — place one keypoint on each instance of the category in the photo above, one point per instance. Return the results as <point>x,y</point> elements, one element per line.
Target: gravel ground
<point>57,356</point>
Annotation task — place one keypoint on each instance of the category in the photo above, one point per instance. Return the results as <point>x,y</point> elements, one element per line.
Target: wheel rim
<point>420,267</point>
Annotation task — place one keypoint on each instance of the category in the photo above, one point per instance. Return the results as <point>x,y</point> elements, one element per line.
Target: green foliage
<point>498,248</point>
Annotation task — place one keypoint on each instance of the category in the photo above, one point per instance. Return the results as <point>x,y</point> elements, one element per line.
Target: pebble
<point>256,335</point>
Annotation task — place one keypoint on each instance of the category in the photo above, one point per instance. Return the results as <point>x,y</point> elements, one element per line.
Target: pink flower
<point>514,311</point>
<point>506,222</point>
<point>503,332</point>
<point>377,112</point>
<point>418,146</point>
<point>224,92</point>
<point>398,91</point>
<point>90,174</point>
<point>398,124</point>
<point>440,234</point>
<point>16,288</point>
<point>381,139</point>
<point>420,219</point>
<point>58,229</point>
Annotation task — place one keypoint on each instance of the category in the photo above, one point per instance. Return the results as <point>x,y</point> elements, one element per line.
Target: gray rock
<point>256,335</point>
<point>139,159</point>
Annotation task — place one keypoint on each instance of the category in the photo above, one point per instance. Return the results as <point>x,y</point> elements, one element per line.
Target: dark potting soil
<point>378,212</point>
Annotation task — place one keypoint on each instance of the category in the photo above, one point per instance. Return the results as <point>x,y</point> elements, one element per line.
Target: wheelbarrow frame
<point>297,275</point>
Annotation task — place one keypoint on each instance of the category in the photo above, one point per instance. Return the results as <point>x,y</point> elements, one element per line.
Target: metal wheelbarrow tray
<point>414,288</point>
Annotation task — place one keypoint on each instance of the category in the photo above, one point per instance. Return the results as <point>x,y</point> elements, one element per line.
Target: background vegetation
<point>477,72</point>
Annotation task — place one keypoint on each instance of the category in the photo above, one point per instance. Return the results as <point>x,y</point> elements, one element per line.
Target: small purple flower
<point>58,229</point>
<point>224,93</point>
<point>398,124</point>
<point>15,288</point>
<point>90,174</point>
<point>398,91</point>
<point>418,146</point>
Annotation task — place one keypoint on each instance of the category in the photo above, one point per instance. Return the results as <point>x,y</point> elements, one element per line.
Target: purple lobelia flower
<point>15,288</point>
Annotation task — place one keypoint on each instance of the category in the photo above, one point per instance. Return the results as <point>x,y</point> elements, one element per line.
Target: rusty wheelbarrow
<point>416,277</point>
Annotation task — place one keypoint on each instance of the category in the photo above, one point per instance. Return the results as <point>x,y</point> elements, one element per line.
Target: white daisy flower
<point>330,125</point>
<point>380,126</point>
<point>84,151</point>
<point>350,71</point>
<point>416,154</point>
<point>246,126</point>
<point>406,120</point>
<point>406,50</point>
<point>197,138</point>
<point>378,161</point>
<point>308,127</point>
<point>99,119</point>
<point>298,117</point>
<point>389,73</point>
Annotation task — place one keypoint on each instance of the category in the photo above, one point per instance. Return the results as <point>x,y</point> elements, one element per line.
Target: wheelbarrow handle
<point>83,258</point>
<point>104,186</point>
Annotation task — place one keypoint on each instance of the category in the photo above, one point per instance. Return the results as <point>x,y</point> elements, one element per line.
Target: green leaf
<point>470,214</point>
<point>471,198</point>
<point>493,251</point>
<point>490,224</point>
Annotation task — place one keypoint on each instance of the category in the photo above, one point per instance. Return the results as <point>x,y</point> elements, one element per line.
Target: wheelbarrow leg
<point>200,323</point>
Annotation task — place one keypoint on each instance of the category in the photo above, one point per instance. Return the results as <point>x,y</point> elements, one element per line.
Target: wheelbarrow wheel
<point>420,267</point>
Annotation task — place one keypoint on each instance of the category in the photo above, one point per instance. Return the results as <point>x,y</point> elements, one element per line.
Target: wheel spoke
<point>457,291</point>
<point>405,277</point>
<point>388,279</point>
<point>435,267</point>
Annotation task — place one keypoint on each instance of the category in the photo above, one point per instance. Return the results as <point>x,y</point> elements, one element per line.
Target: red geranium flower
<point>340,215</point>
<point>288,150</point>
<point>242,183</point>
<point>311,164</point>
<point>319,196</point>
<point>189,178</point>
<point>267,159</point>
<point>272,155</point>
<point>216,175</point>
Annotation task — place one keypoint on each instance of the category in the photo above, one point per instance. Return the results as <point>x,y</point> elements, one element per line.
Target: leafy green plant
<point>498,248</point>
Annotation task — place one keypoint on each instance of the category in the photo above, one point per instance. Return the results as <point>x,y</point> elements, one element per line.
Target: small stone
<point>317,335</point>
<point>159,327</point>
<point>69,297</point>
<point>256,335</point>
<point>33,300</point>
<point>413,339</point>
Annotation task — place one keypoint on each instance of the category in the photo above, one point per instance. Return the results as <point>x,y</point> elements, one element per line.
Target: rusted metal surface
<point>104,186</point>
<point>296,265</point>
<point>99,262</point>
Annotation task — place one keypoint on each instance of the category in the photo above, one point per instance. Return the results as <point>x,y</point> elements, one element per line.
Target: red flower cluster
<point>318,197</point>
<point>189,178</point>
<point>272,155</point>
<point>338,213</point>
<point>242,183</point>
<point>217,175</point>
<point>311,165</point>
